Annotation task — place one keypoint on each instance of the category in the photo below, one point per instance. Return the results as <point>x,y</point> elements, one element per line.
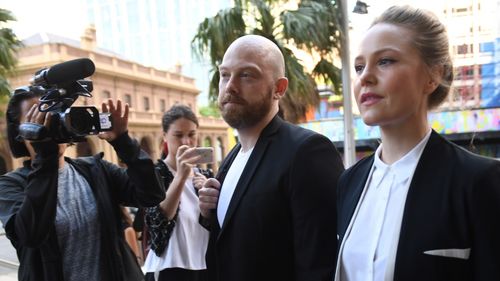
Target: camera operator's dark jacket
<point>28,200</point>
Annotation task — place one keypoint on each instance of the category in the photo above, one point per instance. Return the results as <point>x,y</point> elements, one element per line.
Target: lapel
<point>224,167</point>
<point>250,168</point>
<point>354,187</point>
<point>424,197</point>
<point>426,182</point>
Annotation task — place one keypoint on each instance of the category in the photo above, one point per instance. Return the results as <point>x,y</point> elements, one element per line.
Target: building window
<point>464,49</point>
<point>464,72</point>
<point>146,104</point>
<point>459,10</point>
<point>106,95</point>
<point>128,99</point>
<point>463,94</point>
<point>162,106</point>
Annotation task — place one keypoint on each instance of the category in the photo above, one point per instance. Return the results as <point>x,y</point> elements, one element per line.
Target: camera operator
<point>63,215</point>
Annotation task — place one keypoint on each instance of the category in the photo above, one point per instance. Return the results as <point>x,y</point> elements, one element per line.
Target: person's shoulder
<point>363,163</point>
<point>466,157</point>
<point>18,175</point>
<point>300,132</point>
<point>163,170</point>
<point>462,159</point>
<point>475,161</point>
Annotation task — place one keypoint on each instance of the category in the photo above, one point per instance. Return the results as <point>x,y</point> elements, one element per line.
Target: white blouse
<point>368,251</point>
<point>188,243</point>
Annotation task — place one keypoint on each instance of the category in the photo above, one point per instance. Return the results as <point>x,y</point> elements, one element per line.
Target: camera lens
<point>78,121</point>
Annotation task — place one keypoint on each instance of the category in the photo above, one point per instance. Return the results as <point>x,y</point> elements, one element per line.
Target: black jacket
<point>281,221</point>
<point>453,204</point>
<point>28,200</point>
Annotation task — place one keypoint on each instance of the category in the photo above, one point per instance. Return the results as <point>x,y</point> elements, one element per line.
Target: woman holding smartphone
<point>178,241</point>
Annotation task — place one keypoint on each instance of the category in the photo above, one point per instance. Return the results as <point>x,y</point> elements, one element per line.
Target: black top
<point>28,200</point>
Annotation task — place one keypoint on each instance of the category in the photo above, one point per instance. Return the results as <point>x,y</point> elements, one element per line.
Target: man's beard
<point>245,115</point>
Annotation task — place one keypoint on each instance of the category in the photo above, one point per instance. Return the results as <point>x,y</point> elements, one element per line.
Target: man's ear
<point>280,88</point>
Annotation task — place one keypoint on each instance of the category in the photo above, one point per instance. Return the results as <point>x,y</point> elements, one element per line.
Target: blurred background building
<point>471,115</point>
<point>155,33</point>
<point>148,91</point>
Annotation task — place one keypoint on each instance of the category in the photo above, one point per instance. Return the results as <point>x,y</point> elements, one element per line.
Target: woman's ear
<point>435,77</point>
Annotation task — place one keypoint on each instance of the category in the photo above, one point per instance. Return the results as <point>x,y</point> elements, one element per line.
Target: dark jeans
<point>178,274</point>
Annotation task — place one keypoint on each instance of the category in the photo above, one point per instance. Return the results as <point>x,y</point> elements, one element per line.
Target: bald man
<point>271,209</point>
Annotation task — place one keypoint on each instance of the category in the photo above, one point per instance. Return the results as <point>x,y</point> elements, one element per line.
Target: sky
<point>61,17</point>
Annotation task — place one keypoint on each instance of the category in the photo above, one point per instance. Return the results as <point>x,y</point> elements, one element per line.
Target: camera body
<point>61,86</point>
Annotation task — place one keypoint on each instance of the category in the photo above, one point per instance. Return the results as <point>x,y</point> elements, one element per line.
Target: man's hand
<point>119,121</point>
<point>209,196</point>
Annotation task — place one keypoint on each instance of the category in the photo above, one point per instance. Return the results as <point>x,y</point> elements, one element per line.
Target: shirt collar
<point>404,167</point>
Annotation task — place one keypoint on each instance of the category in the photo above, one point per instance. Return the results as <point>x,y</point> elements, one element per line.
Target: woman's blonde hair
<point>430,39</point>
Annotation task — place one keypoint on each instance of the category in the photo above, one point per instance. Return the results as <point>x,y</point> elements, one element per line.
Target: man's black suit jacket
<point>281,220</point>
<point>453,203</point>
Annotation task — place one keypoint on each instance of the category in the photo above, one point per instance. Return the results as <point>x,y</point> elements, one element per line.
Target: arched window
<point>207,142</point>
<point>163,107</point>
<point>127,98</point>
<point>219,150</point>
<point>105,95</point>
<point>146,104</point>
<point>146,146</point>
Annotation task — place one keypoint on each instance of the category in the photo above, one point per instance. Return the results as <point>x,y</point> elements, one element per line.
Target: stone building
<point>147,90</point>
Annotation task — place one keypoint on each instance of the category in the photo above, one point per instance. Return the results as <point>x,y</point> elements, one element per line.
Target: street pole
<point>349,144</point>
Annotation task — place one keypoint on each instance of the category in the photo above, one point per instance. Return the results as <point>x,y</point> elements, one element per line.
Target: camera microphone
<point>67,71</point>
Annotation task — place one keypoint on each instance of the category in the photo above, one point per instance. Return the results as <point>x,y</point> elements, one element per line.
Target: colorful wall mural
<point>446,122</point>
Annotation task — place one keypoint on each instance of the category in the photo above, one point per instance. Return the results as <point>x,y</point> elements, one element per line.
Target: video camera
<point>61,85</point>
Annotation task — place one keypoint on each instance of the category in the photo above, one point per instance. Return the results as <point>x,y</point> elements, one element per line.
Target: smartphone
<point>207,155</point>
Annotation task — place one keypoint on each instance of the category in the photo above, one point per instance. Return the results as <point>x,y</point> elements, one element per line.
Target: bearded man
<point>271,209</point>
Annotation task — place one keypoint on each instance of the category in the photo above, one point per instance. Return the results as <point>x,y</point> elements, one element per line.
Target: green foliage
<point>209,111</point>
<point>314,27</point>
<point>9,44</point>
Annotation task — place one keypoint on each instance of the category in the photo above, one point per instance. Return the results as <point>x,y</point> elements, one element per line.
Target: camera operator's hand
<point>44,147</point>
<point>119,119</point>
<point>35,124</point>
<point>35,116</point>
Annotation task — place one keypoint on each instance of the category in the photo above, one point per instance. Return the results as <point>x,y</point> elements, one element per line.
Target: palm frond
<point>265,19</point>
<point>215,34</point>
<point>9,45</point>
<point>6,15</point>
<point>213,88</point>
<point>301,91</point>
<point>313,26</point>
<point>329,73</point>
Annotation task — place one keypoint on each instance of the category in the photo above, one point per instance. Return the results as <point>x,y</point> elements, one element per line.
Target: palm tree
<point>312,26</point>
<point>8,47</point>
